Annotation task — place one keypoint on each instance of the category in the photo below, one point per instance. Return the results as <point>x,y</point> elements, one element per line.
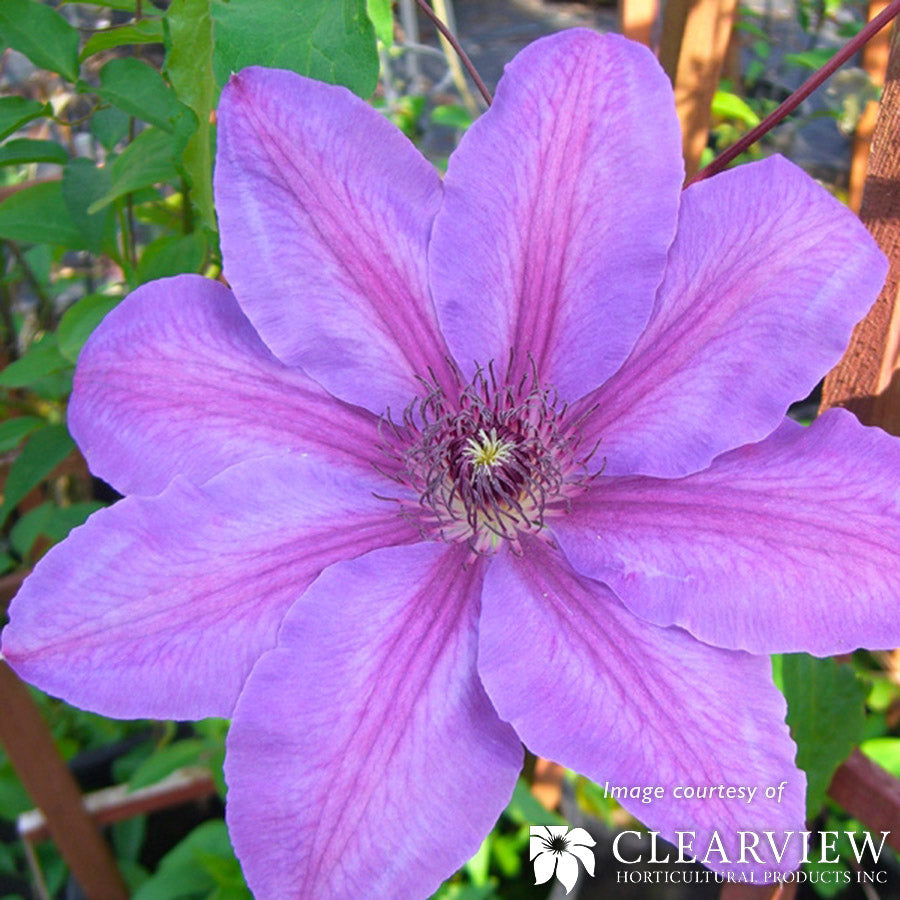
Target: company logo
<point>555,850</point>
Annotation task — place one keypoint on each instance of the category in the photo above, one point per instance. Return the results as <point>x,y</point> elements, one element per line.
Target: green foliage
<point>48,521</point>
<point>189,65</point>
<point>452,115</point>
<point>138,89</point>
<point>42,359</point>
<point>172,255</point>
<point>826,714</point>
<point>885,751</point>
<point>727,105</point>
<point>23,150</point>
<point>382,19</point>
<point>201,867</point>
<point>83,185</point>
<point>110,126</point>
<point>148,160</point>
<point>39,215</point>
<point>17,111</point>
<point>42,34</point>
<point>79,320</point>
<point>810,59</point>
<point>14,431</point>
<point>44,451</point>
<point>147,31</point>
<point>331,40</point>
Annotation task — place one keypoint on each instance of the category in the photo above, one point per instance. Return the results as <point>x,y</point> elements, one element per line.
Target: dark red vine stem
<point>454,43</point>
<point>802,92</point>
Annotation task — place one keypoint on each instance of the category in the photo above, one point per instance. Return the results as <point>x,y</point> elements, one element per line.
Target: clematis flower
<point>457,466</point>
<point>554,850</point>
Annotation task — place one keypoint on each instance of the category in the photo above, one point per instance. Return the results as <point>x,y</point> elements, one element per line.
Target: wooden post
<point>866,380</point>
<point>874,61</point>
<point>28,741</point>
<point>636,18</point>
<point>694,44</point>
<point>870,794</point>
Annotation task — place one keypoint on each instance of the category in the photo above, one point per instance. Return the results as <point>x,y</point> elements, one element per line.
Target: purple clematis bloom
<point>451,471</point>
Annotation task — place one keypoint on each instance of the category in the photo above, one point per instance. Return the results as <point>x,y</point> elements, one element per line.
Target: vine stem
<point>802,92</point>
<point>454,43</point>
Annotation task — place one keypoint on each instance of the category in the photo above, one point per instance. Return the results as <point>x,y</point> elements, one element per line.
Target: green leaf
<point>811,59</point>
<point>84,183</point>
<point>146,31</point>
<point>168,256</point>
<point>42,34</point>
<point>726,105</point>
<point>382,19</point>
<point>45,450</point>
<point>524,808</point>
<point>124,5</point>
<point>180,874</point>
<point>148,160</point>
<point>51,521</point>
<point>109,126</point>
<point>80,320</point>
<point>14,799</point>
<point>139,90</point>
<point>331,40</point>
<point>189,67</point>
<point>14,431</point>
<point>826,714</point>
<point>885,751</point>
<point>38,215</point>
<point>165,761</point>
<point>40,360</point>
<point>128,837</point>
<point>23,150</point>
<point>17,111</point>
<point>452,115</point>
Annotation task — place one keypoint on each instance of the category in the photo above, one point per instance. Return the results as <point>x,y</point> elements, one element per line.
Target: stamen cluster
<point>489,463</point>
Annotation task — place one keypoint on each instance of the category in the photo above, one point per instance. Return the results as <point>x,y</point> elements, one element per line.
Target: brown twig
<point>802,92</point>
<point>454,43</point>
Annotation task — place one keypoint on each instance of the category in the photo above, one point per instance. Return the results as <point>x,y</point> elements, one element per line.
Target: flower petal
<point>585,854</point>
<point>578,836</point>
<point>588,684</point>
<point>544,867</point>
<point>325,210</point>
<point>567,871</point>
<point>766,279</point>
<point>559,206</point>
<point>365,759</point>
<point>782,546</point>
<point>536,844</point>
<point>160,606</point>
<point>175,381</point>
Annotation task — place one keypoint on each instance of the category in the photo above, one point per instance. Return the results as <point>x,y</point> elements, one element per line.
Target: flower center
<point>489,464</point>
<point>488,450</point>
<point>559,844</point>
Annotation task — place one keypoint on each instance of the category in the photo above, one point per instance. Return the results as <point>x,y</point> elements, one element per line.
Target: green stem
<point>6,317</point>
<point>187,211</point>
<point>45,310</point>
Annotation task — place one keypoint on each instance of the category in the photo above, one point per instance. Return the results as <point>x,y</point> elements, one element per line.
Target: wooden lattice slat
<point>695,39</point>
<point>30,747</point>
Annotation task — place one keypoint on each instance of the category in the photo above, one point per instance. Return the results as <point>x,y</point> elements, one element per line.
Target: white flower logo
<point>555,849</point>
